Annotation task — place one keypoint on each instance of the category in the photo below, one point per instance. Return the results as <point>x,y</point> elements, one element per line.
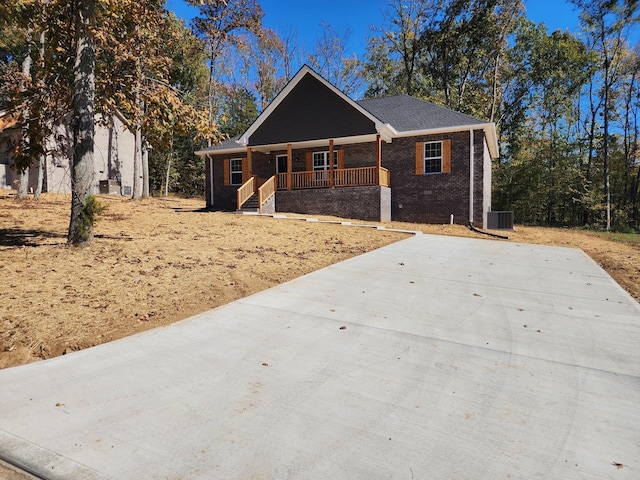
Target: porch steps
<point>251,205</point>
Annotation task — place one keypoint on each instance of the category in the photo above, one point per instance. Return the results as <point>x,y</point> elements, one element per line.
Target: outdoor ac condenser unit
<point>110,187</point>
<point>500,220</point>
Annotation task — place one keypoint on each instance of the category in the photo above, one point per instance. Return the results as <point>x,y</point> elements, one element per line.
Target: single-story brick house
<point>394,158</point>
<point>112,156</point>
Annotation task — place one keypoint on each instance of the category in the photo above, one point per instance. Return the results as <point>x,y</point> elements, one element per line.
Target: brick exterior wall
<point>224,197</point>
<point>432,198</point>
<point>362,203</point>
<point>429,198</point>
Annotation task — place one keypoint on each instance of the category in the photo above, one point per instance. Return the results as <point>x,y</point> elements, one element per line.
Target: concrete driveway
<point>432,358</point>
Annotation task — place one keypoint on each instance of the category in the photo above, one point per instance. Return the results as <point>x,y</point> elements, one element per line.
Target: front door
<point>281,164</point>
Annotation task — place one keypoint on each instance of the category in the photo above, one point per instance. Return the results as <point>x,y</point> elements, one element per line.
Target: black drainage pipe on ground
<point>471,227</point>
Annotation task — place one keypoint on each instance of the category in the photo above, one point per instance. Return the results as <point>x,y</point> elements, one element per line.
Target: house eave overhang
<point>321,142</point>
<point>488,128</point>
<point>221,151</point>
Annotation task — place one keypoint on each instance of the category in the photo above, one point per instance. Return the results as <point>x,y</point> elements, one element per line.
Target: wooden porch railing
<point>346,177</point>
<point>247,189</point>
<point>384,177</point>
<point>266,191</point>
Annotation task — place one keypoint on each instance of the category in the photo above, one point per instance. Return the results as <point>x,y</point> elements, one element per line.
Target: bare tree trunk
<point>210,91</point>
<point>145,171</point>
<point>41,160</point>
<point>81,223</point>
<point>137,149</point>
<point>494,89</point>
<point>605,143</point>
<point>137,162</point>
<point>166,183</point>
<point>22,166</point>
<point>23,180</point>
<point>40,166</point>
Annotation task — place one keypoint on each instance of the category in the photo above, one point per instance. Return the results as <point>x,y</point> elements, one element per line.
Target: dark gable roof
<point>311,111</point>
<point>408,114</point>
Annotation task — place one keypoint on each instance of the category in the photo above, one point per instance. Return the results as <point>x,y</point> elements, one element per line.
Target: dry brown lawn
<point>157,261</point>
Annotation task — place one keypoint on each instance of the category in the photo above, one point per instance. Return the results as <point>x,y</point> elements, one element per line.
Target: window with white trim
<point>433,157</point>
<point>235,171</point>
<point>321,160</point>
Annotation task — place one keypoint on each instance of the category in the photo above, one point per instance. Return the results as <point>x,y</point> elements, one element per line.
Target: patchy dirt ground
<point>157,261</point>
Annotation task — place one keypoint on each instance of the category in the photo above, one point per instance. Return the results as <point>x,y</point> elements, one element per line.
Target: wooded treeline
<point>565,103</point>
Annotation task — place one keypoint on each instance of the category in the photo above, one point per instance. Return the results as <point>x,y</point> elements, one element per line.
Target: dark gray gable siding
<point>311,111</point>
<point>407,114</point>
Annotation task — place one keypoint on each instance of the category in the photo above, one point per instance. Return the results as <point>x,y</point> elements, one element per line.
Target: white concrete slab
<point>460,358</point>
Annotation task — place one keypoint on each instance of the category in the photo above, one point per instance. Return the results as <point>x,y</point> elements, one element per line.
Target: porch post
<point>378,158</point>
<point>249,166</point>
<point>331,179</point>
<point>289,165</point>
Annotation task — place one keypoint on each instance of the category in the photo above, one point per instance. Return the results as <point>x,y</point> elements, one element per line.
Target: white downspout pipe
<point>471,174</point>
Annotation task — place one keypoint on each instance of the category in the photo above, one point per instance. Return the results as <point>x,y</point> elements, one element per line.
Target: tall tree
<point>539,174</point>
<point>176,124</point>
<point>401,38</point>
<point>36,77</point>
<point>380,71</point>
<point>240,111</point>
<point>607,22</point>
<point>219,23</point>
<point>269,57</point>
<point>331,59</point>
<point>130,61</point>
<point>23,167</point>
<point>630,100</point>
<point>463,48</point>
<point>81,222</point>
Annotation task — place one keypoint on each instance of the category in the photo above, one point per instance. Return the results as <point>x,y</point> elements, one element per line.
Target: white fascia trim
<point>492,140</point>
<point>204,153</point>
<point>386,132</point>
<point>244,138</point>
<point>489,130</point>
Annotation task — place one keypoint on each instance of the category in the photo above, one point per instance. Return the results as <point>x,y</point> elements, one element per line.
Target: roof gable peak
<point>305,71</point>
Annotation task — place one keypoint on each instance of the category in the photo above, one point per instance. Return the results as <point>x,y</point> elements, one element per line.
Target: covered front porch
<point>319,173</point>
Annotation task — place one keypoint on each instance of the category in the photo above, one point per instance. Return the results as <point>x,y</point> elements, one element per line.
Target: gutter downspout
<point>471,175</point>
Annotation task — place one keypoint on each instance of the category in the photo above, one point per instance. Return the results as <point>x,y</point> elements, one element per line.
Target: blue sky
<point>306,17</point>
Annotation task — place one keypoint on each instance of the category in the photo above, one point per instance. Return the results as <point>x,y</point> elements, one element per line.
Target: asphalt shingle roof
<point>403,112</point>
<point>229,144</point>
<point>406,114</point>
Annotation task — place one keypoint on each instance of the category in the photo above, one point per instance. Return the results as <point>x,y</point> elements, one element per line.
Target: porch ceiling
<point>314,143</point>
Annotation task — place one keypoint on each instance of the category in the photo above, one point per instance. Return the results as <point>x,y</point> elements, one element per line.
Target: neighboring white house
<point>113,158</point>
